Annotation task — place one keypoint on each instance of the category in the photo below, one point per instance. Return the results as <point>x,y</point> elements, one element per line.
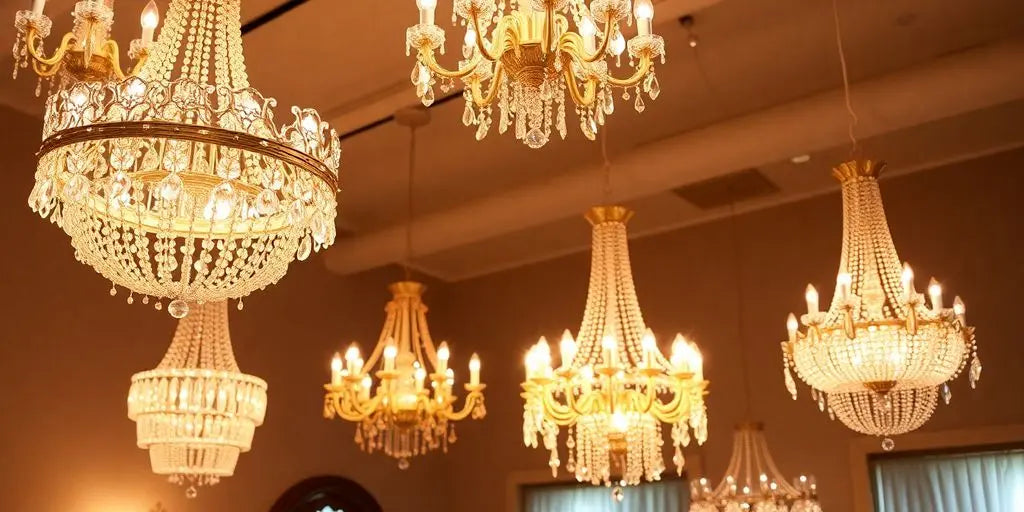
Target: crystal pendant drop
<point>178,308</point>
<point>947,395</point>
<point>428,96</point>
<point>467,115</point>
<point>974,374</point>
<point>267,202</point>
<point>888,444</point>
<point>403,464</point>
<point>655,88</point>
<point>305,247</point>
<point>790,383</point>
<point>618,495</point>
<point>170,187</point>
<point>609,103</point>
<point>639,104</point>
<point>821,402</point>
<point>76,188</point>
<point>535,138</point>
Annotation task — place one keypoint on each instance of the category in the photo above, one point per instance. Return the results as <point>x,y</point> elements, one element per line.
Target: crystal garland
<point>753,482</point>
<point>614,388</point>
<point>532,61</point>
<point>196,411</point>
<point>404,417</point>
<point>878,355</point>
<point>175,182</point>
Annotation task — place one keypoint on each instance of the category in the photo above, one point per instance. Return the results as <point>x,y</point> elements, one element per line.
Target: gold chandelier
<point>173,180</point>
<point>614,388</point>
<point>196,412</point>
<point>878,355</point>
<point>532,59</point>
<point>413,408</point>
<point>753,482</point>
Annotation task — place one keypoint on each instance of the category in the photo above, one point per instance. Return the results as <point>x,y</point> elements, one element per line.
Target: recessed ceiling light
<point>800,159</point>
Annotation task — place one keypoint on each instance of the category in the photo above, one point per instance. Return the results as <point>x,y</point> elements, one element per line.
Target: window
<point>978,480</point>
<point>664,496</point>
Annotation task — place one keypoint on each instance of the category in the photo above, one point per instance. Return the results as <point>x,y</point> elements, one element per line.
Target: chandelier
<point>614,388</point>
<point>532,59</point>
<point>173,179</point>
<point>753,482</point>
<point>196,412</point>
<point>412,410</point>
<point>878,355</point>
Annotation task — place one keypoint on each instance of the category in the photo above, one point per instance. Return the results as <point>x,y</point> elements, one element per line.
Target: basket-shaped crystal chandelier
<point>753,482</point>
<point>532,59</point>
<point>196,412</point>
<point>412,410</point>
<point>174,180</point>
<point>876,357</point>
<point>614,389</point>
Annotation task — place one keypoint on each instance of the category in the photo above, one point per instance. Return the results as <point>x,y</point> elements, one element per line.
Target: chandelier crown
<point>196,412</point>
<point>174,180</point>
<point>852,170</point>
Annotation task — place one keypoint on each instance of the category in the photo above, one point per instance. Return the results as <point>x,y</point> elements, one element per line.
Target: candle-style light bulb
<point>935,294</point>
<point>567,349</point>
<point>390,353</point>
<point>959,309</point>
<point>679,349</point>
<point>442,357</point>
<point>364,390</point>
<point>351,356</point>
<point>811,296</point>
<point>474,370</point>
<point>791,326</point>
<point>37,7</point>
<point>420,375</point>
<point>907,278</point>
<point>610,347</point>
<point>588,30</point>
<point>844,281</point>
<point>426,8</point>
<point>544,354</point>
<point>644,12</point>
<point>696,361</point>
<point>336,370</point>
<point>150,19</point>
<point>649,346</point>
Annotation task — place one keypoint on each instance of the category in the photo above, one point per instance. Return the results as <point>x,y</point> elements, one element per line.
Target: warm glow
<point>567,347</point>
<point>619,422</point>
<point>352,354</point>
<point>470,38</point>
<point>587,27</point>
<point>426,4</point>
<point>336,363</point>
<point>644,10</point>
<point>150,16</point>
<point>390,351</point>
<point>474,363</point>
<point>907,278</point>
<point>958,306</point>
<point>792,324</point>
<point>811,296</point>
<point>648,342</point>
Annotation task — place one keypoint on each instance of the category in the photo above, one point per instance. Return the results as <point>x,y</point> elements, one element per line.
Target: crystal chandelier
<point>532,59</point>
<point>405,415</point>
<point>878,355</point>
<point>173,180</point>
<point>614,388</point>
<point>196,412</point>
<point>753,482</point>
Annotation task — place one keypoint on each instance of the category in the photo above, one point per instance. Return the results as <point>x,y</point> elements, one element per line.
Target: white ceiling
<point>348,60</point>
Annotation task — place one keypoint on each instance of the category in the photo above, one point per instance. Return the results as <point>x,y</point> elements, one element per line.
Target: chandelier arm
<point>675,409</point>
<point>642,69</point>
<point>555,411</point>
<point>481,45</point>
<point>113,53</point>
<point>572,43</point>
<point>427,58</point>
<point>430,352</point>
<point>65,44</point>
<point>473,399</point>
<point>583,99</point>
<point>350,408</point>
<point>478,98</point>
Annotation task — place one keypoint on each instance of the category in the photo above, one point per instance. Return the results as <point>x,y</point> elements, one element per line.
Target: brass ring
<point>193,133</point>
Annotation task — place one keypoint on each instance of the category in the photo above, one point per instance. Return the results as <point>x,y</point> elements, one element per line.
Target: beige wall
<point>67,349</point>
<point>962,223</point>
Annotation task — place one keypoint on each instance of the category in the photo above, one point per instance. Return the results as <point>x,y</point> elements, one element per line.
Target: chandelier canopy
<point>753,482</point>
<point>878,347</point>
<point>532,58</point>
<point>614,389</point>
<point>174,179</point>
<point>412,410</point>
<point>196,412</point>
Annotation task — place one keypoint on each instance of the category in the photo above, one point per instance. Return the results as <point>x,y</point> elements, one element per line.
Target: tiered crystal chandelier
<point>173,180</point>
<point>878,356</point>
<point>196,412</point>
<point>412,410</point>
<point>532,59</point>
<point>614,388</point>
<point>753,482</point>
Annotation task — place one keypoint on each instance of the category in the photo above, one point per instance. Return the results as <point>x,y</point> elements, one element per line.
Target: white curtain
<point>976,482</point>
<point>664,496</point>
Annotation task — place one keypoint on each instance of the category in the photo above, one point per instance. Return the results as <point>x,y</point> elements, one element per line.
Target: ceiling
<point>753,57</point>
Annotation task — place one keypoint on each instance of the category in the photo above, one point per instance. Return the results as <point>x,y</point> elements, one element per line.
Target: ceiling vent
<point>730,188</point>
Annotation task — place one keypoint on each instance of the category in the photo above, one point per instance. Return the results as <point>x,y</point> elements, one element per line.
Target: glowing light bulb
<point>336,369</point>
<point>567,348</point>
<point>149,19</point>
<point>844,281</point>
<point>426,8</point>
<point>791,326</point>
<point>935,294</point>
<point>644,12</point>
<point>619,422</point>
<point>908,282</point>
<point>474,370</point>
<point>588,30</point>
<point>811,296</point>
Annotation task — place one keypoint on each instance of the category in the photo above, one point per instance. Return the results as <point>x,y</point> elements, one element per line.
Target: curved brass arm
<point>560,414</point>
<point>480,44</point>
<point>473,400</point>
<point>478,98</point>
<point>427,57</point>
<point>642,68</point>
<point>585,98</point>
<point>349,409</point>
<point>42,65</point>
<point>113,52</point>
<point>673,410</point>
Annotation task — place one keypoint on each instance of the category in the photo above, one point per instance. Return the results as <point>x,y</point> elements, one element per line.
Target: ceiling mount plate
<point>412,117</point>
